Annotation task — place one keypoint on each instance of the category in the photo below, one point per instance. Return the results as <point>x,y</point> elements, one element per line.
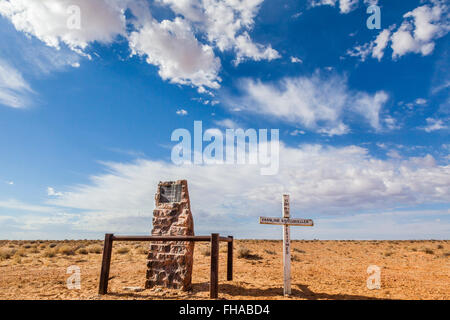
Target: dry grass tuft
<point>245,253</point>
<point>82,251</point>
<point>123,250</point>
<point>206,251</point>
<point>6,253</point>
<point>295,258</point>
<point>66,250</point>
<point>141,250</point>
<point>428,251</point>
<point>94,249</point>
<point>49,253</point>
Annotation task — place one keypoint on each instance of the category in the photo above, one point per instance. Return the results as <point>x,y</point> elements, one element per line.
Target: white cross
<point>286,222</point>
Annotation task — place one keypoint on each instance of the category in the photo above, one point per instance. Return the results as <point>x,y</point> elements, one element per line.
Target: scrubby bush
<point>6,253</point>
<point>141,250</point>
<point>82,251</point>
<point>269,251</point>
<point>245,253</point>
<point>206,251</point>
<point>49,253</point>
<point>66,250</point>
<point>94,249</point>
<point>123,250</point>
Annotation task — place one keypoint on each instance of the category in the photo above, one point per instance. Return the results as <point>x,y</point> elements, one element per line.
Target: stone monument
<point>170,262</point>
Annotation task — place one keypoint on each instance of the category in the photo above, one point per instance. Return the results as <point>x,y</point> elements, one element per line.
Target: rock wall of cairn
<point>170,263</point>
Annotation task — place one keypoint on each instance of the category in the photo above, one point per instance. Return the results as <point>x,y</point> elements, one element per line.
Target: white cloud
<point>317,103</point>
<point>181,112</point>
<point>369,106</point>
<point>226,123</point>
<point>416,34</point>
<point>296,60</point>
<point>321,179</point>
<point>52,193</point>
<point>345,6</point>
<point>172,46</point>
<point>13,204</point>
<point>101,20</point>
<point>420,28</point>
<point>14,90</point>
<point>434,124</point>
<point>297,132</point>
<point>375,49</point>
<point>227,24</point>
<point>181,48</point>
<point>421,101</point>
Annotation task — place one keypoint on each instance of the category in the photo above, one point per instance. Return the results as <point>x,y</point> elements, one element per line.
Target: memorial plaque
<point>170,193</point>
<point>170,263</point>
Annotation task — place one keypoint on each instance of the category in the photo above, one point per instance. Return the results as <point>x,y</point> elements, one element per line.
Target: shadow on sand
<point>298,291</point>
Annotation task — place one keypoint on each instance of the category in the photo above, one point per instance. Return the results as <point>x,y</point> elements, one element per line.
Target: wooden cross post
<point>286,221</point>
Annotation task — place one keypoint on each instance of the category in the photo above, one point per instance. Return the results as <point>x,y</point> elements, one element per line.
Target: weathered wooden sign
<point>286,221</point>
<point>292,222</point>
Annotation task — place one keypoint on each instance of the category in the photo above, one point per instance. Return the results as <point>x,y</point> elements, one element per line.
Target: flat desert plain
<point>320,270</point>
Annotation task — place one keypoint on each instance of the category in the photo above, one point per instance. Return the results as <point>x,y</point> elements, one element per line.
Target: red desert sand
<point>320,270</point>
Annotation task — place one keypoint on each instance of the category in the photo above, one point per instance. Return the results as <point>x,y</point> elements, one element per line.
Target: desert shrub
<point>6,253</point>
<point>94,249</point>
<point>295,258</point>
<point>428,251</point>
<point>43,246</point>
<point>269,251</point>
<point>298,250</point>
<point>49,253</point>
<point>440,246</point>
<point>245,253</point>
<point>414,249</point>
<point>17,260</point>
<point>388,254</point>
<point>141,250</point>
<point>33,250</point>
<point>82,251</point>
<point>123,250</point>
<point>66,250</point>
<point>52,245</point>
<point>447,254</point>
<point>27,246</point>
<point>206,251</point>
<point>21,253</point>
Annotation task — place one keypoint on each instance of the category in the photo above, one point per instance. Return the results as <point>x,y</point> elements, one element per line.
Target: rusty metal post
<point>230,259</point>
<point>214,278</point>
<point>106,262</point>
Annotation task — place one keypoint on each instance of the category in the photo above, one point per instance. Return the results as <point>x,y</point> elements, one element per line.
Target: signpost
<point>286,221</point>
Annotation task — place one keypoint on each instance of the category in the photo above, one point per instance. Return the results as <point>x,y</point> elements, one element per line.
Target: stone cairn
<point>170,262</point>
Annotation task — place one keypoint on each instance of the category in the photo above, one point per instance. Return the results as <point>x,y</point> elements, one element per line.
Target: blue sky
<point>87,114</point>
